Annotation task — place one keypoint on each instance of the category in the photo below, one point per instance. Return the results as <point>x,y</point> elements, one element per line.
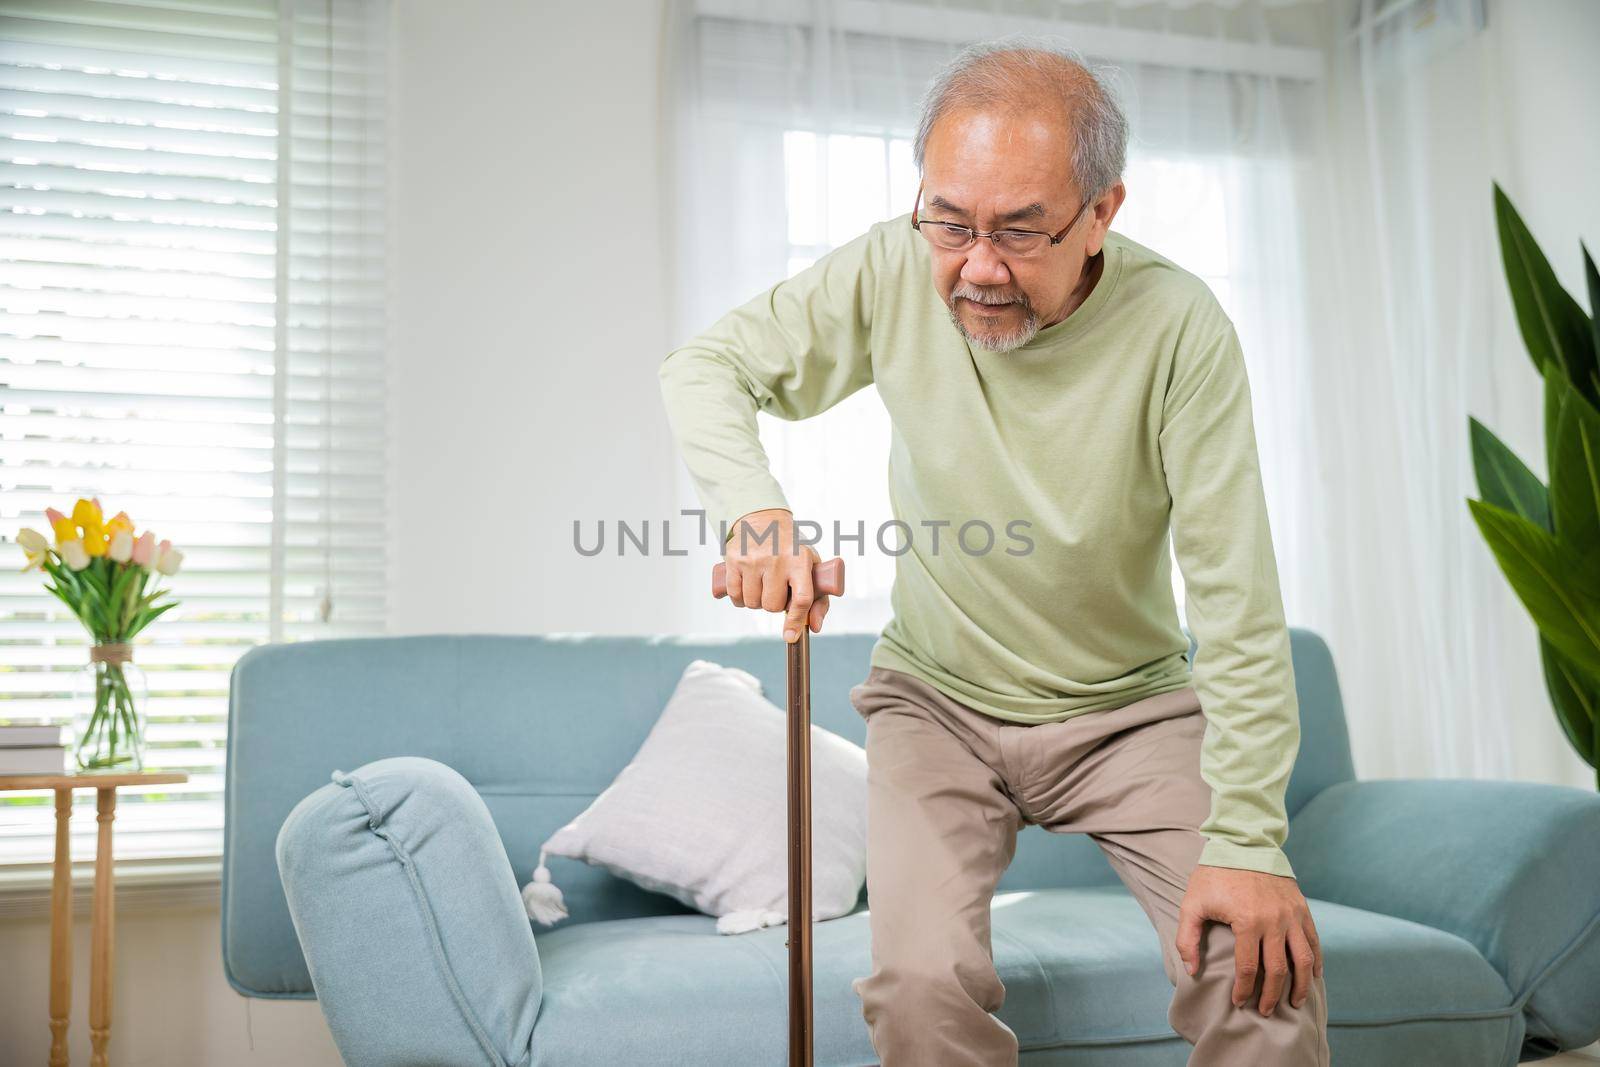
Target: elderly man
<point>1044,374</point>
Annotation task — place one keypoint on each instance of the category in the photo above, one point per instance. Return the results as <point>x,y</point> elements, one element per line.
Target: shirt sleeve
<point>793,351</point>
<point>1243,672</point>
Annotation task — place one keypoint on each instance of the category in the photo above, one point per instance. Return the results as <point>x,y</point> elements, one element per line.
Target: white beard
<point>1001,339</point>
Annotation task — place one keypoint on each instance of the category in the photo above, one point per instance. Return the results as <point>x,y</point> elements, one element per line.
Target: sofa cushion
<point>1081,967</point>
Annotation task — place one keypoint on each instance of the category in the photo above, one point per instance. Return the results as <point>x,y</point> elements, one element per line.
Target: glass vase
<point>108,721</point>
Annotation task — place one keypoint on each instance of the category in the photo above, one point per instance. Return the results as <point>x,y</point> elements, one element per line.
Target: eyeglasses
<point>954,238</point>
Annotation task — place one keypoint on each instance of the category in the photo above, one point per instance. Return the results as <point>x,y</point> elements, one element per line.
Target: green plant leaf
<point>1576,697</point>
<point>1504,480</point>
<point>119,597</point>
<point>93,575</point>
<point>1562,593</point>
<point>1574,468</point>
<point>1554,327</point>
<point>1591,277</point>
<point>95,594</point>
<point>73,605</point>
<point>140,624</point>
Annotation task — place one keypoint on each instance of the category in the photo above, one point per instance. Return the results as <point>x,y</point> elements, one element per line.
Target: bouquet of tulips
<point>102,571</point>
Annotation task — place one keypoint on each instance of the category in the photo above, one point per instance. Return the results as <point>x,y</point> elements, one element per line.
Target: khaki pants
<point>948,789</point>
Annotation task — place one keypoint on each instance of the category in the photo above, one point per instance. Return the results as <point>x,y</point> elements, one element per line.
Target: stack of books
<point>32,749</point>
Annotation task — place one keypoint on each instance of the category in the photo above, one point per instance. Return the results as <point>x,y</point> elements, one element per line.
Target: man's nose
<point>984,265</point>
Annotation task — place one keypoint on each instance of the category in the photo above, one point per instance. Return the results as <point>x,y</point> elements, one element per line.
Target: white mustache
<point>974,295</point>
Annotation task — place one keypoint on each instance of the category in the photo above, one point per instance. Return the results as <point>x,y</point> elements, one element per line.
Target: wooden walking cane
<point>826,578</point>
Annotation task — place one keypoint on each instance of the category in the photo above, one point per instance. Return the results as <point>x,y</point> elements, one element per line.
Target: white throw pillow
<point>701,812</point>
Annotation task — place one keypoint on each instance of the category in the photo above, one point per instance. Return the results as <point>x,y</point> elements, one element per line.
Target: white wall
<point>529,316</point>
<point>170,1005</point>
<point>525,396</point>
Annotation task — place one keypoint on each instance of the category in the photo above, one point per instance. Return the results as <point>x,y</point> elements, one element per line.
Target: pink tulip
<point>143,547</point>
<point>54,516</point>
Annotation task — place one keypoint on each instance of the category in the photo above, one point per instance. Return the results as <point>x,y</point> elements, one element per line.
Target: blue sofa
<point>400,787</point>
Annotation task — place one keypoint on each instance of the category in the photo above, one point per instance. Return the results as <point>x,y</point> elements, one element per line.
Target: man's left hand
<point>1267,913</point>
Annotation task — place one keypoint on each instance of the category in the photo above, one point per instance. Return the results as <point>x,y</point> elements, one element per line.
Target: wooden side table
<point>100,932</point>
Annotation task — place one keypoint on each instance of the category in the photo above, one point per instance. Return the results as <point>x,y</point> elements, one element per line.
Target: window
<point>192,330</point>
<point>836,186</point>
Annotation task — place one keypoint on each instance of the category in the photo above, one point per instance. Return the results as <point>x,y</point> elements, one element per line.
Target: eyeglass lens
<point>949,235</point>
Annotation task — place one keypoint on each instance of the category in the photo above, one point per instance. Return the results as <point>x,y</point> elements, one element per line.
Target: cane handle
<point>827,579</point>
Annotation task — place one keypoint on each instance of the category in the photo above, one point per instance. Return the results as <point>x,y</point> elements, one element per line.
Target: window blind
<point>191,329</point>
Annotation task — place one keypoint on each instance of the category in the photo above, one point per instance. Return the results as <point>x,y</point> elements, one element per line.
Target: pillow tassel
<point>742,922</point>
<point>541,896</point>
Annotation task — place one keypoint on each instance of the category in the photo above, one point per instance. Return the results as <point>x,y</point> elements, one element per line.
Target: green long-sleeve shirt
<point>1129,416</point>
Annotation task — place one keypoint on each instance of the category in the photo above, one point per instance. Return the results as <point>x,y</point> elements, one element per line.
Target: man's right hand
<point>766,571</point>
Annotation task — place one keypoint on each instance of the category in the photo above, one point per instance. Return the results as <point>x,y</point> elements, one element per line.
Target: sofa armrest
<point>1511,867</point>
<point>408,912</point>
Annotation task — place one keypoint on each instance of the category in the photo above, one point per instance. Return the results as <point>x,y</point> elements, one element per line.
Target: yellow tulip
<point>65,530</point>
<point>86,513</point>
<point>94,540</point>
<point>120,521</point>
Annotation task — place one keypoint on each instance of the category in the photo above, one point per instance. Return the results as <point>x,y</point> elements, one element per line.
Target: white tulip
<point>37,548</point>
<point>74,554</point>
<point>121,546</point>
<point>168,563</point>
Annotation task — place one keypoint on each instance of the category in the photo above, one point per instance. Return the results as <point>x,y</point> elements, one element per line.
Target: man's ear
<point>1105,209</point>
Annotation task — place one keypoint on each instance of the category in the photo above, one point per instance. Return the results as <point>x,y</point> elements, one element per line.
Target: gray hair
<point>1013,71</point>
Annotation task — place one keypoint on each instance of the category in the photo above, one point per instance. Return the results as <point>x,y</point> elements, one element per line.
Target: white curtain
<point>1414,332</point>
<point>1301,170</point>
